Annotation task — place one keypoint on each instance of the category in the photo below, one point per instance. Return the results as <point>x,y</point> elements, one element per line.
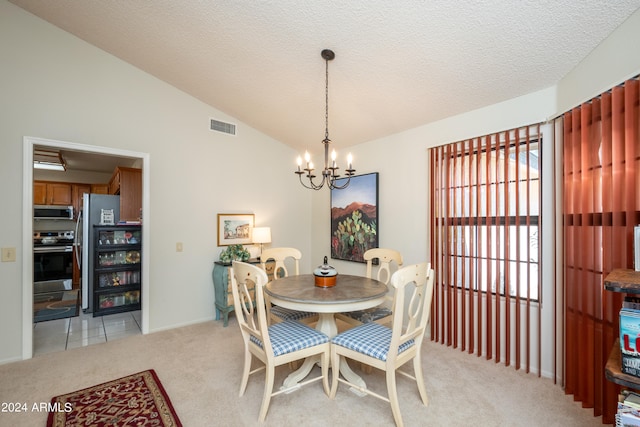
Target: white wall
<point>614,61</point>
<point>401,159</point>
<point>58,87</point>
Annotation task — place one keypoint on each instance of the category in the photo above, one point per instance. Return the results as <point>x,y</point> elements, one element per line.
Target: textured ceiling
<point>398,65</point>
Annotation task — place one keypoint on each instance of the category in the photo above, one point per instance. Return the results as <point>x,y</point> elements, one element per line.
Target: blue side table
<point>222,287</point>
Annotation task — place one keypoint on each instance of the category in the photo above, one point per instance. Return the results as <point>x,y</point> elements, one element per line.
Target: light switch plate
<point>8,254</point>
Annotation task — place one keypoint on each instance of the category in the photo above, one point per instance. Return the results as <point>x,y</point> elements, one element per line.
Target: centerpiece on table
<point>234,253</point>
<point>325,275</point>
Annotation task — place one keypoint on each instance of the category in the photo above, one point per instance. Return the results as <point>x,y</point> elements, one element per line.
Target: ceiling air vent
<point>218,126</point>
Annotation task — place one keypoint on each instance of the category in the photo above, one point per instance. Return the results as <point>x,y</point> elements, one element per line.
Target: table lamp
<point>261,235</point>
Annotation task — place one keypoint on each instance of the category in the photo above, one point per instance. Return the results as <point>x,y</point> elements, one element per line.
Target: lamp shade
<point>262,235</point>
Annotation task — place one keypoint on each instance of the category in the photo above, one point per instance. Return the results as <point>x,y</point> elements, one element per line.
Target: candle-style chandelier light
<point>330,171</point>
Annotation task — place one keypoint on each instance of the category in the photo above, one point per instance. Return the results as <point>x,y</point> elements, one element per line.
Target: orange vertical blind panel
<point>485,216</point>
<point>600,209</point>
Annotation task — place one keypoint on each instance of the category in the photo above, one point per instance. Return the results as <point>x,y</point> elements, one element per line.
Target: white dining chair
<point>280,257</point>
<point>383,313</point>
<point>274,345</point>
<point>387,348</point>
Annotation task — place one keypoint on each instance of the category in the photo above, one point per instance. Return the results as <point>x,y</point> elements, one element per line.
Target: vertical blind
<point>485,219</point>
<point>600,209</point>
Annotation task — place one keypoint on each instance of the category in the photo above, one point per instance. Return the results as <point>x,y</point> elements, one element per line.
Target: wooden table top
<point>348,290</point>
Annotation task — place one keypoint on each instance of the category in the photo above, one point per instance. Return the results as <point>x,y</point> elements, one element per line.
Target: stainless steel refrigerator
<point>94,209</point>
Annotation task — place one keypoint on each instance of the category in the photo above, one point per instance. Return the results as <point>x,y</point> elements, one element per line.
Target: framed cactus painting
<point>354,217</point>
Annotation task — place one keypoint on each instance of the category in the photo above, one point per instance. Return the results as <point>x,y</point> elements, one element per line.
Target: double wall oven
<point>52,260</point>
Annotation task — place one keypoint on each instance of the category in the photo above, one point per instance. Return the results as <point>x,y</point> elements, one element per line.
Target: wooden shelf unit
<point>613,372</point>
<point>625,281</point>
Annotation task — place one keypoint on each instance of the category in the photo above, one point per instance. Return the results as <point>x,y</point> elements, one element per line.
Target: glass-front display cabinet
<point>118,269</point>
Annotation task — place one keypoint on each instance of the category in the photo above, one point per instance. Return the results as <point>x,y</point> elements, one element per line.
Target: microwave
<point>52,212</point>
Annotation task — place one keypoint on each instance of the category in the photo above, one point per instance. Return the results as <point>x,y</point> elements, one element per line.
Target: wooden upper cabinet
<point>114,182</point>
<point>127,182</point>
<point>60,194</point>
<point>39,193</point>
<point>77,191</point>
<point>99,188</point>
<point>52,193</point>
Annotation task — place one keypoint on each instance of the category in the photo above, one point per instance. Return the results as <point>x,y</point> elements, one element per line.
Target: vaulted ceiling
<point>398,65</point>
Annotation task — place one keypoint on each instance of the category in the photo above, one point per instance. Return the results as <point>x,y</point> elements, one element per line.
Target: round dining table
<point>350,293</point>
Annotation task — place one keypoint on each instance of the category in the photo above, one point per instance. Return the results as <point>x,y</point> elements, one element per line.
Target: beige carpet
<point>201,365</point>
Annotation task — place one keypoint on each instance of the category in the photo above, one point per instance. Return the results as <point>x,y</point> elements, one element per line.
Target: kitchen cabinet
<point>222,287</point>
<point>99,188</point>
<point>52,193</point>
<point>117,269</point>
<point>77,190</point>
<point>39,193</point>
<point>65,193</point>
<point>127,183</point>
<point>628,282</point>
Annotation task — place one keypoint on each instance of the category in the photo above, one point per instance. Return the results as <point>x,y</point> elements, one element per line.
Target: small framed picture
<point>106,217</point>
<point>235,229</point>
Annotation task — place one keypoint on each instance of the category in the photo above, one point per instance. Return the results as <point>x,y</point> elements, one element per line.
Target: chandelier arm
<point>318,186</point>
<point>312,185</point>
<point>333,186</point>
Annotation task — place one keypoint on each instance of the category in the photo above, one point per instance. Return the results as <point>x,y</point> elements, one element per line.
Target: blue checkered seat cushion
<point>372,339</point>
<point>370,314</point>
<point>291,336</point>
<point>287,314</point>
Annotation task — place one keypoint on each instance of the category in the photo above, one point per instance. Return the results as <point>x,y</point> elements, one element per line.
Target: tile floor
<point>83,330</point>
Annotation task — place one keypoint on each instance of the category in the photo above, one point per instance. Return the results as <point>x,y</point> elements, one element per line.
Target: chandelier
<point>330,171</point>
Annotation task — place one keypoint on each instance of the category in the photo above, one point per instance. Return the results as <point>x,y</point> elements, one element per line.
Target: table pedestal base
<point>301,373</point>
<point>327,325</point>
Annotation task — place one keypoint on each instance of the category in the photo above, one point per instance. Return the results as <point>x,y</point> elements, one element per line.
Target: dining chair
<point>382,313</point>
<point>389,348</point>
<point>280,257</point>
<point>273,345</point>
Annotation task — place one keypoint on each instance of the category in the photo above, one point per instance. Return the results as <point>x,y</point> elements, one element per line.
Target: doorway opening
<point>85,164</point>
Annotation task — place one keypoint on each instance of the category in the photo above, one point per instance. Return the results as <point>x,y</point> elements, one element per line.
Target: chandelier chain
<point>326,100</point>
<point>330,171</point>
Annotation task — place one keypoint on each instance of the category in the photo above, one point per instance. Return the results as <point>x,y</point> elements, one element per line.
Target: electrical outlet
<point>8,254</point>
<point>179,247</point>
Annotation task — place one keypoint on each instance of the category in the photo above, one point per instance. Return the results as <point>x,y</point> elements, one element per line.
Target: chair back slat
<point>246,304</point>
<point>410,321</point>
<point>385,257</point>
<point>253,321</point>
<point>283,257</point>
<point>280,257</point>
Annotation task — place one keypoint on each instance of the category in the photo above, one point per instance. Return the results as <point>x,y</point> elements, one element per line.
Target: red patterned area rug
<point>134,400</point>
